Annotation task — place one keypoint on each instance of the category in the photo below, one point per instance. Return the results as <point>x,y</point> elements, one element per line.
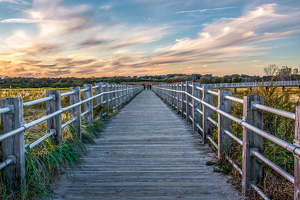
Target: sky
<point>73,38</point>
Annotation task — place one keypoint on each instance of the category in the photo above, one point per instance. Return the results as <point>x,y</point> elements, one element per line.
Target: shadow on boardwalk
<point>147,152</point>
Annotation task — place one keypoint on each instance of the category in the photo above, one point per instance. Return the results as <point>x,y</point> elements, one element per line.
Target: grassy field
<point>47,160</point>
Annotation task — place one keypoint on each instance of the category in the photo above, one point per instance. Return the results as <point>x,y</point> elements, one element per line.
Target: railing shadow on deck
<point>13,144</point>
<point>195,103</point>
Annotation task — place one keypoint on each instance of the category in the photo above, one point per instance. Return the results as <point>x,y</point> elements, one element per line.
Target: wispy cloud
<point>106,7</point>
<point>204,10</point>
<point>20,20</point>
<point>15,1</point>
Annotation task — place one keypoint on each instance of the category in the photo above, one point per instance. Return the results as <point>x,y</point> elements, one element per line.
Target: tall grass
<point>47,160</point>
<point>273,184</point>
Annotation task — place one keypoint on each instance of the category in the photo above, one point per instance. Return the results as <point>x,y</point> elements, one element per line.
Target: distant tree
<point>117,81</point>
<point>183,78</point>
<point>236,79</point>
<point>176,80</point>
<point>285,73</point>
<point>295,73</point>
<point>271,70</point>
<point>205,80</point>
<point>170,80</point>
<point>217,79</point>
<point>225,79</point>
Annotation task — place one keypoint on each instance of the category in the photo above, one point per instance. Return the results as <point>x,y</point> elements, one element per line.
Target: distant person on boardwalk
<point>150,86</point>
<point>144,86</point>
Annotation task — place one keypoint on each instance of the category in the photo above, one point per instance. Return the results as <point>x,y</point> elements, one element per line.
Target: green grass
<point>31,89</point>
<point>47,160</point>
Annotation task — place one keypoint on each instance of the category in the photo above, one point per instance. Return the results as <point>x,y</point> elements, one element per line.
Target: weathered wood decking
<point>147,152</point>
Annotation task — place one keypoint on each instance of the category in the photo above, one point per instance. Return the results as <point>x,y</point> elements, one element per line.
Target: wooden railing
<point>255,84</point>
<point>195,103</point>
<point>13,145</point>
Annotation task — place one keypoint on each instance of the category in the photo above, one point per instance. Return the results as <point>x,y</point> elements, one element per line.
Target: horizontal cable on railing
<point>5,110</point>
<point>212,121</point>
<point>52,132</point>
<point>212,141</point>
<point>86,112</point>
<point>85,89</point>
<point>68,93</point>
<point>191,118</point>
<point>199,111</point>
<point>31,103</point>
<point>258,190</point>
<point>275,111</point>
<point>68,122</point>
<point>190,104</point>
<point>7,162</point>
<point>199,88</point>
<point>184,113</point>
<point>233,164</point>
<point>272,165</point>
<point>291,147</point>
<point>199,127</point>
<point>234,137</point>
<point>212,92</point>
<point>234,99</point>
<point>29,125</point>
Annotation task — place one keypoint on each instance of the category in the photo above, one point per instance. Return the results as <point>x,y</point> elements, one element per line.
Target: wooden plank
<point>76,112</point>
<point>147,152</point>
<point>14,174</point>
<point>88,106</point>
<point>207,112</point>
<point>252,166</point>
<point>297,159</point>
<point>196,105</point>
<point>224,123</point>
<point>55,122</point>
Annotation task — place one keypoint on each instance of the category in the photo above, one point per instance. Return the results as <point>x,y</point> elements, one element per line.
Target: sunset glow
<point>53,38</point>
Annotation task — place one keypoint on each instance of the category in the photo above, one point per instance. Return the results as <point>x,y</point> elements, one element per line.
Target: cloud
<point>204,10</point>
<point>255,60</point>
<point>15,1</point>
<point>20,20</point>
<point>74,42</point>
<point>106,7</point>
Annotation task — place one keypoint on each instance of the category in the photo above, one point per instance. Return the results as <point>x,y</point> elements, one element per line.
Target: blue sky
<point>58,38</point>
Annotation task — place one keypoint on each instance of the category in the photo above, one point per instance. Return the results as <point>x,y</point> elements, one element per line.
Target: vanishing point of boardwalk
<point>146,152</point>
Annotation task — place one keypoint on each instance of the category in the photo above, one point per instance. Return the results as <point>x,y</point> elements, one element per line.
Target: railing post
<point>297,159</point>
<point>76,111</point>
<point>181,96</point>
<point>98,90</point>
<point>105,96</point>
<point>187,101</point>
<point>224,123</point>
<point>14,146</point>
<point>252,166</point>
<point>109,95</point>
<point>207,112</point>
<point>54,122</point>
<point>88,106</point>
<point>196,104</point>
<point>177,95</point>
<point>172,95</point>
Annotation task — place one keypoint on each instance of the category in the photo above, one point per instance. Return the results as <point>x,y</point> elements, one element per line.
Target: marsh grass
<point>273,184</point>
<point>47,160</point>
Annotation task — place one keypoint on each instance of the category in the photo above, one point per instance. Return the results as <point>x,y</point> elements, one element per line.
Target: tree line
<point>272,72</point>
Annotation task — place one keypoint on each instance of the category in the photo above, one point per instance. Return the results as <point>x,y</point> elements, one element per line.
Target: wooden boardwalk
<point>146,152</point>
